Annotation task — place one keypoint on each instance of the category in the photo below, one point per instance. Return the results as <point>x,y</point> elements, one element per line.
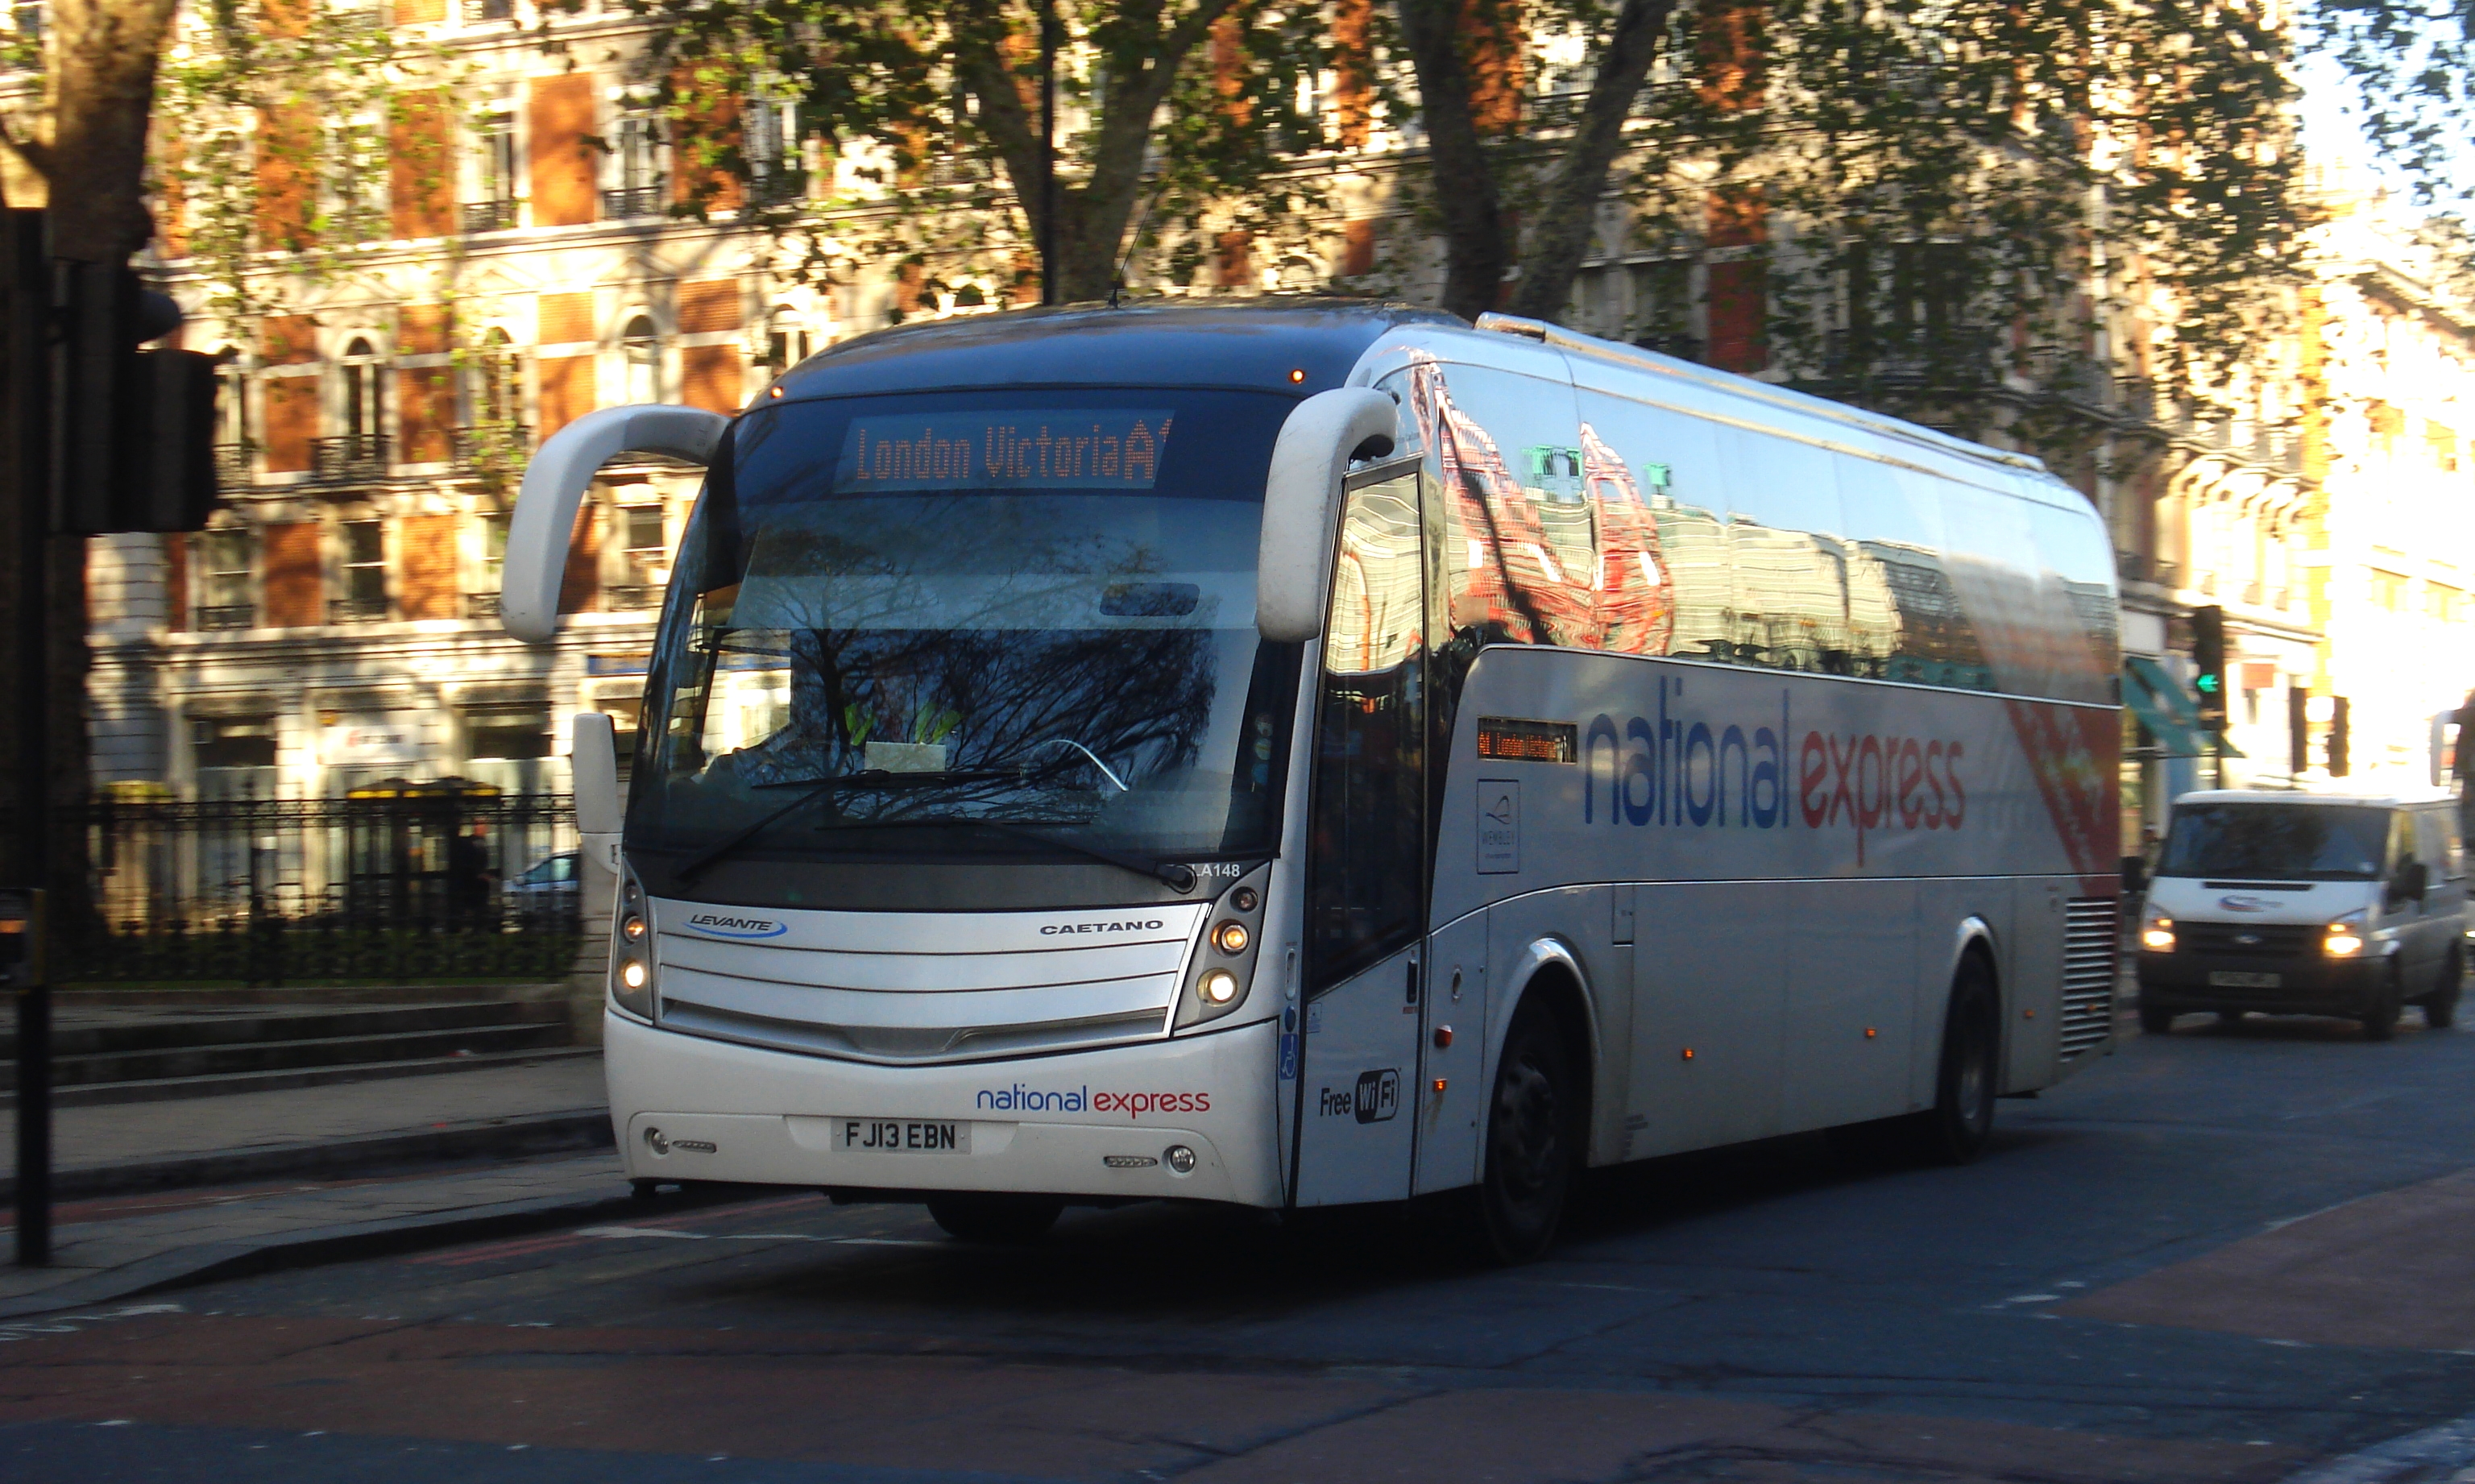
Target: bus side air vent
<point>2089,955</point>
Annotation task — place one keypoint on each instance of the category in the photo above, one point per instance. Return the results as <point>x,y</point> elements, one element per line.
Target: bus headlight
<point>631,950</point>
<point>2345,938</point>
<point>2157,932</point>
<point>1221,965</point>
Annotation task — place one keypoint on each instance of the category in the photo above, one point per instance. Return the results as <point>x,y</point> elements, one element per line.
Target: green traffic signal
<point>2207,685</point>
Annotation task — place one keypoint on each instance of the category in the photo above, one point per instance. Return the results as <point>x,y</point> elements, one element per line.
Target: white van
<point>2316,903</point>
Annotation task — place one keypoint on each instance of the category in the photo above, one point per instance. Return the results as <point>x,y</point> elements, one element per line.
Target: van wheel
<point>2156,1019</point>
<point>1956,1129</point>
<point>2440,1007</point>
<point>999,1220</point>
<point>1531,1141</point>
<point>2379,1018</point>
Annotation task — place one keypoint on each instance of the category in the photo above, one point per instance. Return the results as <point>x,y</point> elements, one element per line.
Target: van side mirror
<point>1300,495</point>
<point>554,483</point>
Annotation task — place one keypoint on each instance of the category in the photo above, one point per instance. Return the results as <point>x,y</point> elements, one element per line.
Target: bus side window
<point>1366,830</point>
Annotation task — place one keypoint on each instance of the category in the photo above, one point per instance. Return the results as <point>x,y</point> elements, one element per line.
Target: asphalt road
<point>2231,1253</point>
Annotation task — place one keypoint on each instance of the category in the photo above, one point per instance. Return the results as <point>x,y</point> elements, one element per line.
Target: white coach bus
<point>1325,753</point>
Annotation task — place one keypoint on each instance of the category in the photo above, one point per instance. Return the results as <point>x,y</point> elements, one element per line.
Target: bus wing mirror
<point>1293,567</point>
<point>593,761</point>
<point>554,485</point>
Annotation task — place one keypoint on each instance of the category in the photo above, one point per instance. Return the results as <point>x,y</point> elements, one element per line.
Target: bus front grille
<point>2090,956</point>
<point>928,987</point>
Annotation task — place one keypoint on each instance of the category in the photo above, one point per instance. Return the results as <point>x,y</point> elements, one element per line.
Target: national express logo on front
<point>1109,449</point>
<point>723,925</point>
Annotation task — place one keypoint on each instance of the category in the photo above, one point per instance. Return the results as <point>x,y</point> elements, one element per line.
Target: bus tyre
<point>2380,1017</point>
<point>1956,1129</point>
<point>1532,1124</point>
<point>998,1219</point>
<point>2440,1007</point>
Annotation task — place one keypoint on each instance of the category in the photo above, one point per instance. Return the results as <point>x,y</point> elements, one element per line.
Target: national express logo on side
<point>1678,770</point>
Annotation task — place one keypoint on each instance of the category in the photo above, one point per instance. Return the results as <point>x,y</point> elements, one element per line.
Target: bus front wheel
<point>995,1218</point>
<point>1956,1129</point>
<point>1531,1141</point>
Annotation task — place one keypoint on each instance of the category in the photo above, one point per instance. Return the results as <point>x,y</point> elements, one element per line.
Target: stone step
<point>293,1053</point>
<point>160,1089</point>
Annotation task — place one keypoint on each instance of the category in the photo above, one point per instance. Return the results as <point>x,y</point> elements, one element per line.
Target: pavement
<point>156,1195</point>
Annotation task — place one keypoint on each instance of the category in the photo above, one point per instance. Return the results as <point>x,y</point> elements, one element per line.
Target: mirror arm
<point>561,471</point>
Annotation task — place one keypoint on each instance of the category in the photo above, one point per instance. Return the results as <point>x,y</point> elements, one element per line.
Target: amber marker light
<point>1297,375</point>
<point>1689,1053</point>
<point>1229,938</point>
<point>632,929</point>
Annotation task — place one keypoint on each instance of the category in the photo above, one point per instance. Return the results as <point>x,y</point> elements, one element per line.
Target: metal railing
<point>356,610</point>
<point>466,443</point>
<point>228,616</point>
<point>626,201</point>
<point>490,216</point>
<point>233,463</point>
<point>480,605</point>
<point>351,457</point>
<point>622,596</point>
<point>428,881</point>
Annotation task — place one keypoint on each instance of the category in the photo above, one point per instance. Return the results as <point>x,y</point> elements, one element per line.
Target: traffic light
<point>137,427</point>
<point>2337,737</point>
<point>2209,663</point>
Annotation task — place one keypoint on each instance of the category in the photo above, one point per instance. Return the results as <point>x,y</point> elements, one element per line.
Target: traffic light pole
<point>25,444</point>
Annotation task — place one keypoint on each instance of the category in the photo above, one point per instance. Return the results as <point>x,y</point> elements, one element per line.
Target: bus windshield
<point>989,625</point>
<point>2277,841</point>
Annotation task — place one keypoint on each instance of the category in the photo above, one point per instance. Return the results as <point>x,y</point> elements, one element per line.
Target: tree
<point>1168,111</point>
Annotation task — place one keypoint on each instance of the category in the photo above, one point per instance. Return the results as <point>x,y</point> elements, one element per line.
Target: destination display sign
<point>1520,740</point>
<point>1105,449</point>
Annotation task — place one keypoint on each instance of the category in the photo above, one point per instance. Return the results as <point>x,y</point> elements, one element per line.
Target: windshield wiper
<point>819,788</point>
<point>1173,874</point>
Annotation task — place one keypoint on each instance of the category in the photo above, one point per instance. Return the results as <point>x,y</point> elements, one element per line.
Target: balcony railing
<point>773,186</point>
<point>351,457</point>
<point>490,216</point>
<point>356,610</point>
<point>480,605</point>
<point>628,597</point>
<point>628,201</point>
<point>228,616</point>
<point>466,445</point>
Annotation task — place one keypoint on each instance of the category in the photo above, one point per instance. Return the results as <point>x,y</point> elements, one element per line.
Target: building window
<point>644,354</point>
<point>786,341</point>
<point>773,171</point>
<point>496,386</point>
<point>488,11</point>
<point>360,391</point>
<point>483,601</point>
<point>224,600</point>
<point>507,732</point>
<point>648,555</point>
<point>233,450</point>
<point>365,597</point>
<point>494,139</point>
<point>360,453</point>
<point>232,742</point>
<point>635,149</point>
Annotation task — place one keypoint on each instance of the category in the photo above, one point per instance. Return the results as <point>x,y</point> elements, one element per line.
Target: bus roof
<point>2369,800</point>
<point>1252,343</point>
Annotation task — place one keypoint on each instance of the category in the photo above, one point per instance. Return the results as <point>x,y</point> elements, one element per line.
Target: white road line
<point>2450,1445</point>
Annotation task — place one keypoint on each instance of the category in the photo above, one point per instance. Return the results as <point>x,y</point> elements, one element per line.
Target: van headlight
<point>2345,938</point>
<point>2156,932</point>
<point>631,948</point>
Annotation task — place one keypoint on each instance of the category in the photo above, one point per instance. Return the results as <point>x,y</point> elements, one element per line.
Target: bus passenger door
<point>1365,980</point>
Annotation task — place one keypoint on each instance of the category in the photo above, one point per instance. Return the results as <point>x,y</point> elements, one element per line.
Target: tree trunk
<point>1476,253</point>
<point>1561,237</point>
<point>102,62</point>
<point>1092,215</point>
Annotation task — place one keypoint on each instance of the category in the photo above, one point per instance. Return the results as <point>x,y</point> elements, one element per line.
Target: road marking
<point>2450,1445</point>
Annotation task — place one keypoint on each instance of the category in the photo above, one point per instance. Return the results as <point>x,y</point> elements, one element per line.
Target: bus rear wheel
<point>995,1218</point>
<point>1531,1141</point>
<point>1956,1129</point>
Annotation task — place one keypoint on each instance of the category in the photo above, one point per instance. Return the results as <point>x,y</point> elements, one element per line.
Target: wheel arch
<point>1549,968</point>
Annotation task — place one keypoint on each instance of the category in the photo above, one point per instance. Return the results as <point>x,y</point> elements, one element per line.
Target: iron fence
<point>397,882</point>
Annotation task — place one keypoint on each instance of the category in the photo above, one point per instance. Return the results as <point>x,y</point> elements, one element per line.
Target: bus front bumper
<point>1104,1124</point>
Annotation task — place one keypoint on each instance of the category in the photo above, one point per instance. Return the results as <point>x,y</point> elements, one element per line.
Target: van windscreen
<point>2277,841</point>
